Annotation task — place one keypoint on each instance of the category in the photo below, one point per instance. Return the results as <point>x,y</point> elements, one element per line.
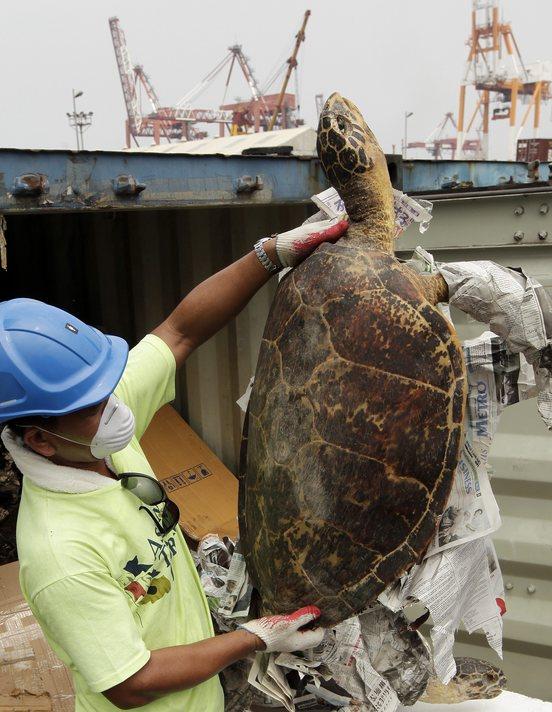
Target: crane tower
<point>496,71</point>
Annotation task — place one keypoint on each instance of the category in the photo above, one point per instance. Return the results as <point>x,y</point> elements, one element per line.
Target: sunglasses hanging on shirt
<point>149,491</point>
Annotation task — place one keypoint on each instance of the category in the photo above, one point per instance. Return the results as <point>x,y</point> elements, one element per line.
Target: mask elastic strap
<point>57,435</point>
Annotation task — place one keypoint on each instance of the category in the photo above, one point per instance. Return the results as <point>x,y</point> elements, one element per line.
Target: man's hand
<point>283,634</point>
<point>294,246</point>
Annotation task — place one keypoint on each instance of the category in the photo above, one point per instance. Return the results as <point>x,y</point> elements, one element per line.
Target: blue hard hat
<point>51,363</point>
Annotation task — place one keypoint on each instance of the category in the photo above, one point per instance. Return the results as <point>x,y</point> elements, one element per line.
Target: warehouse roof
<point>302,141</point>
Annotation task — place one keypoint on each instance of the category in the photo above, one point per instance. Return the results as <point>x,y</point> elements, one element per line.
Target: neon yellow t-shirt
<point>105,588</point>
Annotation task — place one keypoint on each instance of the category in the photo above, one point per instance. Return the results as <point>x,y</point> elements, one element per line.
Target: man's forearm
<point>213,303</point>
<point>181,667</point>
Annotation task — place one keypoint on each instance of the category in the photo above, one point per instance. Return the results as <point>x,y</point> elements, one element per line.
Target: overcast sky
<point>388,56</point>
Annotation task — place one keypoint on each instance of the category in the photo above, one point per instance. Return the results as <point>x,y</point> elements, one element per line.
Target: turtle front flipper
<point>432,286</point>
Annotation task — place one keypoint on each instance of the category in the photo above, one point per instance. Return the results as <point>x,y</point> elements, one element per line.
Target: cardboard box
<point>204,489</point>
<point>32,678</point>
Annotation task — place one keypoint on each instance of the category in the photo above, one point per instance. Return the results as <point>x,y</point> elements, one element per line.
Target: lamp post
<point>79,120</point>
<point>76,94</point>
<point>407,115</point>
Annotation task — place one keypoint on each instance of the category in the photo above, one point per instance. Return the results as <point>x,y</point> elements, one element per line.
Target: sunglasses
<point>151,493</point>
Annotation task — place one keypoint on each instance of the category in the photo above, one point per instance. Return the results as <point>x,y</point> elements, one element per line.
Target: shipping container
<point>534,149</point>
<point>122,262</point>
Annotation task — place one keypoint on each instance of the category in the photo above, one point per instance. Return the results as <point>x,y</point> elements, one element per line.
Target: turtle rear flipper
<point>474,680</point>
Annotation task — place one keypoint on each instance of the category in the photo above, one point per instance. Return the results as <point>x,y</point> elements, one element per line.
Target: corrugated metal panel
<point>302,140</point>
<point>521,453</point>
<point>124,272</point>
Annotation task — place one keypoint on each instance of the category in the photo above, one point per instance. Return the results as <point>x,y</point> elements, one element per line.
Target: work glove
<point>282,634</point>
<point>294,245</point>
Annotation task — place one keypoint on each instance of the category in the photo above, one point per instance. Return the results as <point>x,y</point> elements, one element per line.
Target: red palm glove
<point>293,246</point>
<point>282,634</point>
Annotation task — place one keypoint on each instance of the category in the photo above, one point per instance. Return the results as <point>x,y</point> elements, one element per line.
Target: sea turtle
<point>474,680</point>
<point>355,419</point>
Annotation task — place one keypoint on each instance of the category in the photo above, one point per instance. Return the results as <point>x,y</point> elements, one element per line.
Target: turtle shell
<point>354,431</point>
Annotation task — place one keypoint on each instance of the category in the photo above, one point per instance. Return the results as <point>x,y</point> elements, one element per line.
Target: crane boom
<point>148,86</point>
<point>200,86</point>
<point>247,72</point>
<point>209,116</point>
<point>292,63</point>
<point>126,74</point>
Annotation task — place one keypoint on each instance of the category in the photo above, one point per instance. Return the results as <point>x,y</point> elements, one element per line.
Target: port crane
<point>261,112</point>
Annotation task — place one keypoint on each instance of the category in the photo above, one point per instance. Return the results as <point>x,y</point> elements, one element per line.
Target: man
<point>104,567</point>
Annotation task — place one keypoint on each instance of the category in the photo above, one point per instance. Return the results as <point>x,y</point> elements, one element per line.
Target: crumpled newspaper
<point>516,307</point>
<point>504,298</point>
<point>407,209</point>
<point>375,658</point>
<point>463,584</point>
<point>219,565</point>
<point>497,379</point>
<point>225,580</point>
<point>390,662</point>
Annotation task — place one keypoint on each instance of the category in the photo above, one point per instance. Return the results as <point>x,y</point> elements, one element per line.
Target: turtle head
<point>355,165</point>
<point>345,145</point>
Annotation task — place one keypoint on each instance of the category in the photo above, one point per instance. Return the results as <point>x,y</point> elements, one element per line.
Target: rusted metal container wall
<point>124,272</point>
<point>521,454</point>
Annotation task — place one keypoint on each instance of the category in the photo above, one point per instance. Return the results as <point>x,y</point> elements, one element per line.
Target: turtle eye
<point>341,123</point>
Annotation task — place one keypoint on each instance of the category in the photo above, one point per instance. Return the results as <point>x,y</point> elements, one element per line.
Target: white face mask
<point>114,432</point>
